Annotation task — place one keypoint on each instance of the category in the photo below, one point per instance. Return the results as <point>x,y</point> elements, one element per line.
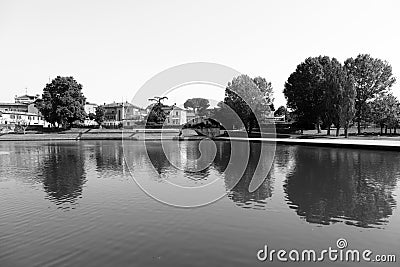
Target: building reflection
<point>109,157</point>
<point>342,185</point>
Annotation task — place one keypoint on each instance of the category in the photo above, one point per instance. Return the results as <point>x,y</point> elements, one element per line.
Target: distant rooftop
<point>13,104</point>
<point>120,104</point>
<point>27,96</point>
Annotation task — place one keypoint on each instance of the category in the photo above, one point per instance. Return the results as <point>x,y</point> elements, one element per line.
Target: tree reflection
<point>157,157</point>
<point>63,173</point>
<point>240,194</point>
<point>352,186</point>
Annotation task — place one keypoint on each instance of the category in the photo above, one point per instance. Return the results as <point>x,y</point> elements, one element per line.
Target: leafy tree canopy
<point>249,99</point>
<point>199,105</point>
<point>318,90</point>
<point>281,111</point>
<point>372,76</point>
<point>63,102</point>
<point>99,116</point>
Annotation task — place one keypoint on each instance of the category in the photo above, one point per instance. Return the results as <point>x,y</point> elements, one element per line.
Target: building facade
<point>122,114</point>
<point>12,118</point>
<point>17,107</point>
<point>26,99</point>
<point>90,108</point>
<point>176,116</point>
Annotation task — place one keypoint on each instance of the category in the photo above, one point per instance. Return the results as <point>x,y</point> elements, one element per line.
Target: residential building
<point>90,108</point>
<point>122,113</point>
<point>21,118</point>
<point>177,116</point>
<point>18,107</point>
<point>26,99</point>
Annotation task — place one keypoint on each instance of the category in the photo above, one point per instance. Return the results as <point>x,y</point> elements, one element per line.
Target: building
<point>26,99</point>
<point>23,112</point>
<point>18,107</point>
<point>12,118</point>
<point>122,114</point>
<point>90,108</point>
<point>176,116</point>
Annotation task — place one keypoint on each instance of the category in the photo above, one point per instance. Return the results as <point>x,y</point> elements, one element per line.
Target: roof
<point>29,96</point>
<point>19,113</point>
<point>120,104</point>
<point>176,108</point>
<point>13,104</point>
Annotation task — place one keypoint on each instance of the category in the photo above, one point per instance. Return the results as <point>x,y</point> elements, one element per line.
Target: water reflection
<point>109,158</point>
<point>63,173</point>
<point>340,185</point>
<point>323,185</point>
<point>239,193</point>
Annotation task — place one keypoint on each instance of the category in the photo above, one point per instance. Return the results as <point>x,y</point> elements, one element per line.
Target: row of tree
<point>323,91</point>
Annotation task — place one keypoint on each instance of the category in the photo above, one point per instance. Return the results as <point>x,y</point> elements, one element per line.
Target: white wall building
<point>90,108</point>
<point>21,118</point>
<point>177,116</point>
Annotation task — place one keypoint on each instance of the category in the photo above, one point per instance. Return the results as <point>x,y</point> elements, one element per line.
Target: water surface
<point>76,204</point>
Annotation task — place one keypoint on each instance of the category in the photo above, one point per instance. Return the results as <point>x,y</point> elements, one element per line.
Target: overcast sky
<point>113,47</point>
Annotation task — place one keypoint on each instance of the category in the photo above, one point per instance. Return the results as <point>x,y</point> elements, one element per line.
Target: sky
<point>113,47</point>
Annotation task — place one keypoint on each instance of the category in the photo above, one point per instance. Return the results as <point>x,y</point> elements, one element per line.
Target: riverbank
<point>105,134</point>
<point>363,142</point>
<point>368,143</point>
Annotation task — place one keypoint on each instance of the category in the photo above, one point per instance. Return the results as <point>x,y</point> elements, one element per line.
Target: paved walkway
<point>349,143</point>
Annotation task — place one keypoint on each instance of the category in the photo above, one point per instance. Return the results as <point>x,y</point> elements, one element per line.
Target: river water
<point>77,204</point>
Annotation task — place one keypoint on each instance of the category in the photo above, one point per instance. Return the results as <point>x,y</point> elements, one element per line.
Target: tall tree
<point>304,93</point>
<point>341,97</point>
<point>199,105</point>
<point>248,99</point>
<point>63,102</point>
<point>157,112</point>
<point>320,90</point>
<point>266,89</point>
<point>372,76</point>
<point>385,111</point>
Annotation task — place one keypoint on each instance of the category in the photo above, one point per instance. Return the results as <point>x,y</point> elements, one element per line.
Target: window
<point>177,113</point>
<point>12,116</point>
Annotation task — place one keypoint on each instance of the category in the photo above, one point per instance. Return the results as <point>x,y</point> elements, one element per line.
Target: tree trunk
<point>346,134</point>
<point>359,126</point>
<point>328,131</point>
<point>318,127</point>
<point>385,129</point>
<point>337,131</point>
<point>394,130</point>
<point>381,129</point>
